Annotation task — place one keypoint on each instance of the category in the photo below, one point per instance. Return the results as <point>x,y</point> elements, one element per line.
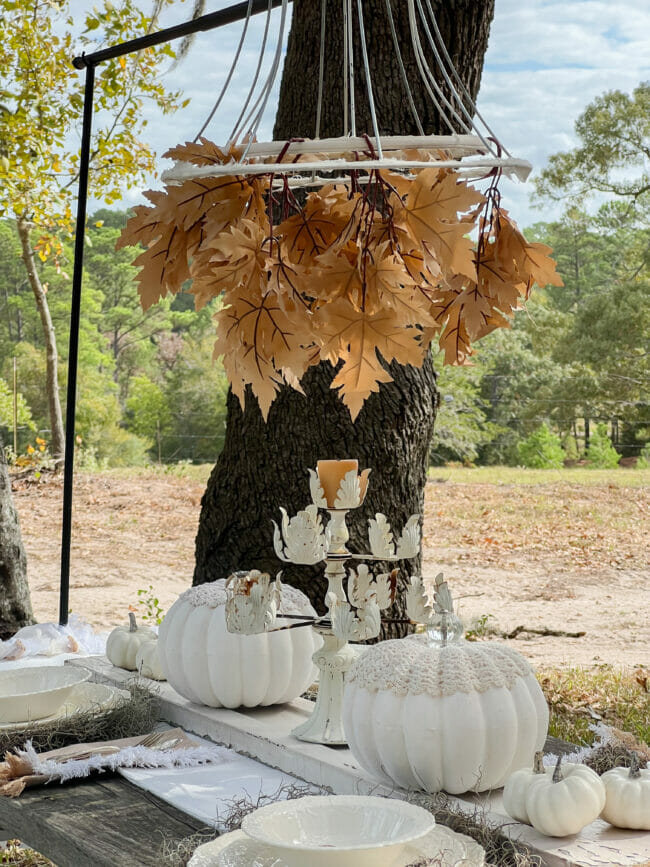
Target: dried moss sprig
<point>230,817</point>
<point>499,848</point>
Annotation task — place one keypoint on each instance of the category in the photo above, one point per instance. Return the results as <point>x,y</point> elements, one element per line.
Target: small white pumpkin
<point>562,803</point>
<point>124,642</point>
<point>147,660</point>
<point>209,665</point>
<point>627,803</point>
<point>427,715</point>
<point>516,789</point>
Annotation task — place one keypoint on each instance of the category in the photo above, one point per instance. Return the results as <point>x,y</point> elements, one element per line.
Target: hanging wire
<point>417,49</point>
<point>454,93</point>
<point>350,54</point>
<point>321,67</point>
<point>429,77</point>
<point>266,90</point>
<point>456,76</point>
<point>400,61</point>
<point>233,135</point>
<point>366,69</point>
<point>230,73</point>
<point>345,70</point>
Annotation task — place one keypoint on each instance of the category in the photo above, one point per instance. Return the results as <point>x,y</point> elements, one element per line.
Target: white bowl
<point>33,693</point>
<point>338,830</point>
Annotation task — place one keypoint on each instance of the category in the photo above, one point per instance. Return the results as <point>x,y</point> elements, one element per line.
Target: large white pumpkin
<point>459,717</point>
<point>211,666</point>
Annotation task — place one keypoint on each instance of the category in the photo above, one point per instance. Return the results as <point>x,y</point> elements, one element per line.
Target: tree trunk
<point>264,466</point>
<point>15,605</point>
<point>51,352</point>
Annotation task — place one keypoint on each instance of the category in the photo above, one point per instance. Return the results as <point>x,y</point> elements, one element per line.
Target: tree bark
<point>15,605</point>
<point>264,465</point>
<point>51,352</point>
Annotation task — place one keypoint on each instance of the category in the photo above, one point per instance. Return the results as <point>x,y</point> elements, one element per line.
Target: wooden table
<point>100,822</point>
<point>106,821</point>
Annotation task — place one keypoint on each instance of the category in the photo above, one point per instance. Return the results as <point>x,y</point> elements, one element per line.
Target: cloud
<point>546,61</point>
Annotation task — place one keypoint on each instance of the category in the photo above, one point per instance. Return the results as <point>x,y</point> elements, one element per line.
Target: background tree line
<point>576,357</point>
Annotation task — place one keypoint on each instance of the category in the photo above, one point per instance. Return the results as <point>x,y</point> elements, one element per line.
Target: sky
<point>546,60</point>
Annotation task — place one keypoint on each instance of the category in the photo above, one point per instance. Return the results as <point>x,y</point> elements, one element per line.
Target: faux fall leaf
<point>164,264</point>
<point>362,274</point>
<point>238,257</point>
<point>251,332</point>
<point>203,153</point>
<point>355,336</point>
<point>430,215</point>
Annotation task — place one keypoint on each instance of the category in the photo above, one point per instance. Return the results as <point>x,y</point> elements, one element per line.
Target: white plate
<point>238,850</point>
<point>84,697</point>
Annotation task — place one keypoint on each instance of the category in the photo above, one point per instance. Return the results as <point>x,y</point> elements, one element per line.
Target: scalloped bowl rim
<point>74,676</point>
<point>252,826</point>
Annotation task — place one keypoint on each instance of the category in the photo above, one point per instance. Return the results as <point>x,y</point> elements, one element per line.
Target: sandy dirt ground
<point>560,556</point>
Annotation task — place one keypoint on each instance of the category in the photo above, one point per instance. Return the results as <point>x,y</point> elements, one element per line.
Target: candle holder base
<point>325,725</point>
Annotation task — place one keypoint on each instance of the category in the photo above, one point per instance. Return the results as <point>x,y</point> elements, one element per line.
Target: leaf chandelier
<point>358,250</point>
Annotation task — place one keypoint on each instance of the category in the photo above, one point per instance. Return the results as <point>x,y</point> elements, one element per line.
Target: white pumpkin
<point>516,789</point>
<point>124,642</point>
<point>563,802</point>
<point>460,716</point>
<point>211,666</point>
<point>627,797</point>
<point>147,661</point>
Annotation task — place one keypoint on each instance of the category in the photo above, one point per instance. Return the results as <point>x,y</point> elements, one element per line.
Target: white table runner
<point>205,792</point>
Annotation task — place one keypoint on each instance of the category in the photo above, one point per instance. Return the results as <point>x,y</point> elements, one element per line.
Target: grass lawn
<point>629,478</point>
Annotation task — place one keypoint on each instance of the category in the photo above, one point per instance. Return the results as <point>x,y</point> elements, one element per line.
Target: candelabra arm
<point>418,605</point>
<point>302,538</point>
<point>380,537</point>
<point>409,542</point>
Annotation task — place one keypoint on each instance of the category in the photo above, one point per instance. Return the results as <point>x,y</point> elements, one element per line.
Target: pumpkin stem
<point>557,773</point>
<point>133,626</point>
<point>635,770</point>
<point>538,763</point>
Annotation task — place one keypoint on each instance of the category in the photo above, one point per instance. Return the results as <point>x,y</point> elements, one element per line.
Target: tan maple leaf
<point>531,262</point>
<point>389,285</point>
<point>239,255</point>
<point>336,274</point>
<point>226,199</point>
<point>430,215</point>
<point>145,226</point>
<point>204,153</point>
<point>454,339</point>
<point>355,337</point>
<point>249,331</point>
<point>262,346</point>
<point>164,265</point>
<point>313,229</point>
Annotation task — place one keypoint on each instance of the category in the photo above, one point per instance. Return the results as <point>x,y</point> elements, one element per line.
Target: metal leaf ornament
<point>363,274</point>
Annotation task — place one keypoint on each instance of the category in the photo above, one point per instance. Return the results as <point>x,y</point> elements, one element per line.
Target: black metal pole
<point>88,62</point>
<point>73,353</point>
<point>204,22</point>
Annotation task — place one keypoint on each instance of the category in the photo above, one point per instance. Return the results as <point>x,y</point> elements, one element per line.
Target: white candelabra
<point>254,600</point>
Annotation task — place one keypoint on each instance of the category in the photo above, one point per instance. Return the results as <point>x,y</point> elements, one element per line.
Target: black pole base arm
<point>88,62</point>
<point>205,22</point>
